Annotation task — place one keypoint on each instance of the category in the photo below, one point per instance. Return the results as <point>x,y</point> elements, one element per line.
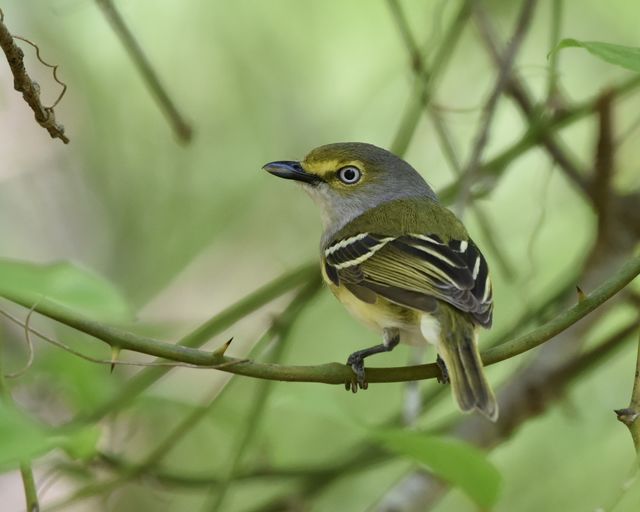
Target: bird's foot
<point>359,379</point>
<point>444,373</point>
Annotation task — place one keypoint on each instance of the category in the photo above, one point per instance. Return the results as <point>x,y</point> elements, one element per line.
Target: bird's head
<point>348,178</point>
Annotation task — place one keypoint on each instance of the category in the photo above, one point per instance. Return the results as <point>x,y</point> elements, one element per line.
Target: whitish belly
<point>384,314</point>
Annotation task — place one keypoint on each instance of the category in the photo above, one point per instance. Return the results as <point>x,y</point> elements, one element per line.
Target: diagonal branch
<point>180,126</point>
<point>504,72</point>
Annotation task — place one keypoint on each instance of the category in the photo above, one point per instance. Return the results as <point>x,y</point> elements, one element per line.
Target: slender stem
<point>556,27</point>
<point>282,328</point>
<point>180,126</point>
<point>426,79</point>
<point>631,415</point>
<point>28,481</point>
<point>30,491</point>
<point>331,373</point>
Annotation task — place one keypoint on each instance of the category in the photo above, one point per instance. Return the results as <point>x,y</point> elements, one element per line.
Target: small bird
<point>399,261</point>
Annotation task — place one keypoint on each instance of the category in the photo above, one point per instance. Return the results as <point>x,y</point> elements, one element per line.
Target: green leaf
<point>458,463</point>
<point>23,438</point>
<point>20,438</point>
<point>66,284</point>
<point>627,57</point>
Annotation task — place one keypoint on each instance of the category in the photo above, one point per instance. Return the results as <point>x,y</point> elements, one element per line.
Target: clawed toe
<point>359,379</point>
<point>444,373</point>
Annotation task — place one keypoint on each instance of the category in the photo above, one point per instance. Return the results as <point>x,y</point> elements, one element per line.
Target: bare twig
<point>22,82</point>
<point>180,126</point>
<point>506,65</point>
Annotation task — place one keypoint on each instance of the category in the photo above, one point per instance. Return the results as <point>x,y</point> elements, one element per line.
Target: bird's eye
<point>349,175</point>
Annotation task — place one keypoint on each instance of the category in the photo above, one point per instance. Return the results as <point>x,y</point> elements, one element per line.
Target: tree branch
<point>45,116</point>
<point>331,373</point>
<point>180,126</point>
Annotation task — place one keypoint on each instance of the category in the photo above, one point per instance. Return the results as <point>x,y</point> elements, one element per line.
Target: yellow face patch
<point>327,169</point>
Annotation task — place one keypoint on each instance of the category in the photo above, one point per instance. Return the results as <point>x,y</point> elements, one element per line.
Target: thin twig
<point>554,39</point>
<point>631,415</point>
<point>22,82</point>
<point>504,72</point>
<point>180,126</point>
<point>27,336</point>
<point>426,81</point>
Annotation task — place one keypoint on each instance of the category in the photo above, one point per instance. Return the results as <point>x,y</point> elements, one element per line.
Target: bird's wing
<point>413,270</point>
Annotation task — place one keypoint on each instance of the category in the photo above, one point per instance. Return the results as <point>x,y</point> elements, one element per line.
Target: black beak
<point>290,170</point>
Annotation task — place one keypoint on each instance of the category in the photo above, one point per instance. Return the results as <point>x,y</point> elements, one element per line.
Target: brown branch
<point>600,187</point>
<point>180,126</point>
<point>504,71</point>
<point>22,82</point>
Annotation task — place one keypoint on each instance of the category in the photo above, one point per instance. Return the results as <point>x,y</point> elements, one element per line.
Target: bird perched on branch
<point>399,261</point>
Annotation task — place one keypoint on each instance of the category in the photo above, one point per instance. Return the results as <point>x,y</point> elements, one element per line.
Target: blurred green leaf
<point>627,57</point>
<point>67,284</point>
<point>458,463</point>
<point>81,444</point>
<point>23,438</point>
<point>20,438</point>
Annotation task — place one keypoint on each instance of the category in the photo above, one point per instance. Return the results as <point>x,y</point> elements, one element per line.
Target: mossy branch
<point>331,373</point>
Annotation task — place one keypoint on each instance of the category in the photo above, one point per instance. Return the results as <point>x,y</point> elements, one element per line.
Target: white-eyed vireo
<point>399,261</point>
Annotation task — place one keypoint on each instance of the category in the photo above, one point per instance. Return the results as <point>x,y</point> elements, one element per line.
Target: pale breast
<point>382,314</point>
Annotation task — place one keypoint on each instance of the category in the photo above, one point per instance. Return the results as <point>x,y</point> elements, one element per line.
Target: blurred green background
<point>182,231</point>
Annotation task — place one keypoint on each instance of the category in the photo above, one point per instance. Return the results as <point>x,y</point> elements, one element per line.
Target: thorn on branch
<point>627,416</point>
<point>22,82</point>
<point>115,352</point>
<point>581,294</point>
<point>220,351</point>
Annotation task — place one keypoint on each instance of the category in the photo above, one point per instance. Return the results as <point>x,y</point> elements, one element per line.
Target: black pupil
<point>349,174</point>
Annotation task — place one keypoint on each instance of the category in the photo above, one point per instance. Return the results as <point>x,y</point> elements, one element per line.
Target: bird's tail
<point>458,348</point>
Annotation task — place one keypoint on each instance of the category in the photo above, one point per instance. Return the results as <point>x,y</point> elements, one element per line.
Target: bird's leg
<point>444,373</point>
<point>391,337</point>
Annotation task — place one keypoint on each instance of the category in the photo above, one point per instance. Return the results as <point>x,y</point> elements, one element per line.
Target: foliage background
<point>183,231</point>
